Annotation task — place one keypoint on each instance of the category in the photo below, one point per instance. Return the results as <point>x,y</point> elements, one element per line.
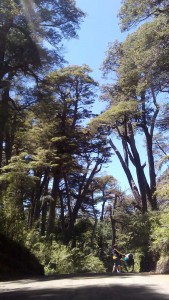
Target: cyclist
<point>117,255</point>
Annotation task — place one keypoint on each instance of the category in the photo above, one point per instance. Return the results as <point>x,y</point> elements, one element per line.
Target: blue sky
<point>99,28</point>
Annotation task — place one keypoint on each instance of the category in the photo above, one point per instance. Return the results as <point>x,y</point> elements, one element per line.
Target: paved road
<point>90,286</point>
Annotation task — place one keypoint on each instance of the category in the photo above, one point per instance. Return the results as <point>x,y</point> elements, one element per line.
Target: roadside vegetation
<point>54,198</point>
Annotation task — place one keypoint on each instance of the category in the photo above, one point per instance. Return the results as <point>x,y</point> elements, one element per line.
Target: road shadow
<point>62,276</point>
<point>112,291</point>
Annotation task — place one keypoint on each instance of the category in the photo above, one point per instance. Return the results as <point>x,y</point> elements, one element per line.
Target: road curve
<point>89,286</point>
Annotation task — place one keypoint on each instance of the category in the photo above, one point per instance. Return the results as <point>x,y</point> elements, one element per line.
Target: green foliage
<point>37,245</point>
<point>134,11</point>
<point>83,229</point>
<point>160,233</point>
<point>116,112</point>
<point>162,184</point>
<point>66,156</point>
<point>163,189</point>
<point>139,226</point>
<point>134,237</point>
<point>64,260</point>
<point>26,20</point>
<point>146,236</point>
<point>17,184</point>
<point>141,66</point>
<point>12,223</point>
<point>93,264</point>
<point>60,259</point>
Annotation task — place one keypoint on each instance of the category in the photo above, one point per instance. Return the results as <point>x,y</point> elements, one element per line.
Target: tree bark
<point>126,169</point>
<point>52,205</point>
<point>113,222</point>
<point>139,168</point>
<point>149,146</point>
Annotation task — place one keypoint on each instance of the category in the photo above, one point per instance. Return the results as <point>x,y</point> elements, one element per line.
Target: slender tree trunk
<point>95,222</point>
<point>113,226</point>
<point>139,168</point>
<point>44,217</point>
<point>132,184</point>
<point>103,206</point>
<point>83,190</point>
<point>62,215</point>
<point>152,174</point>
<point>149,142</point>
<point>1,150</point>
<point>3,34</point>
<point>4,113</point>
<point>40,188</point>
<point>113,222</point>
<point>9,137</point>
<point>37,203</point>
<point>8,147</point>
<point>52,205</point>
<point>44,206</point>
<point>4,90</point>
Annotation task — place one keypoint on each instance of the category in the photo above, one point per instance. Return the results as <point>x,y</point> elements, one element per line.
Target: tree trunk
<point>139,168</point>
<point>126,169</point>
<point>52,205</point>
<point>103,206</point>
<point>44,217</point>
<point>73,213</point>
<point>113,222</point>
<point>149,138</point>
<point>152,175</point>
<point>95,222</point>
<point>38,191</point>
<point>4,113</point>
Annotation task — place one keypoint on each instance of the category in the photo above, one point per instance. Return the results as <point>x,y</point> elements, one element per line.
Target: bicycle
<point>128,263</point>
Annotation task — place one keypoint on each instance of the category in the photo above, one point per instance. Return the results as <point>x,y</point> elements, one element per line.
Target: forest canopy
<point>54,198</point>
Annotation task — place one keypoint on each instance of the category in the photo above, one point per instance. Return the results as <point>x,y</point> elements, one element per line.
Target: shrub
<point>160,234</point>
<point>64,260</point>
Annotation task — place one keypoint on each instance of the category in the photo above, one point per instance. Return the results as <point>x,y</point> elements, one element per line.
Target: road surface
<point>88,287</point>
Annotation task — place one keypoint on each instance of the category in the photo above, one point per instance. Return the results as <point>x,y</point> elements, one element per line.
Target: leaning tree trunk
<point>126,169</point>
<point>139,167</point>
<point>149,145</point>
<point>153,200</point>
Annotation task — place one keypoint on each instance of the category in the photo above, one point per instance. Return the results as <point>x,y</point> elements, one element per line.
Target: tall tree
<point>26,29</point>
<point>141,65</point>
<point>133,12</point>
<point>74,155</point>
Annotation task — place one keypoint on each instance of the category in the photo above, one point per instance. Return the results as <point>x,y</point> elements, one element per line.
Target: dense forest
<point>54,199</point>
